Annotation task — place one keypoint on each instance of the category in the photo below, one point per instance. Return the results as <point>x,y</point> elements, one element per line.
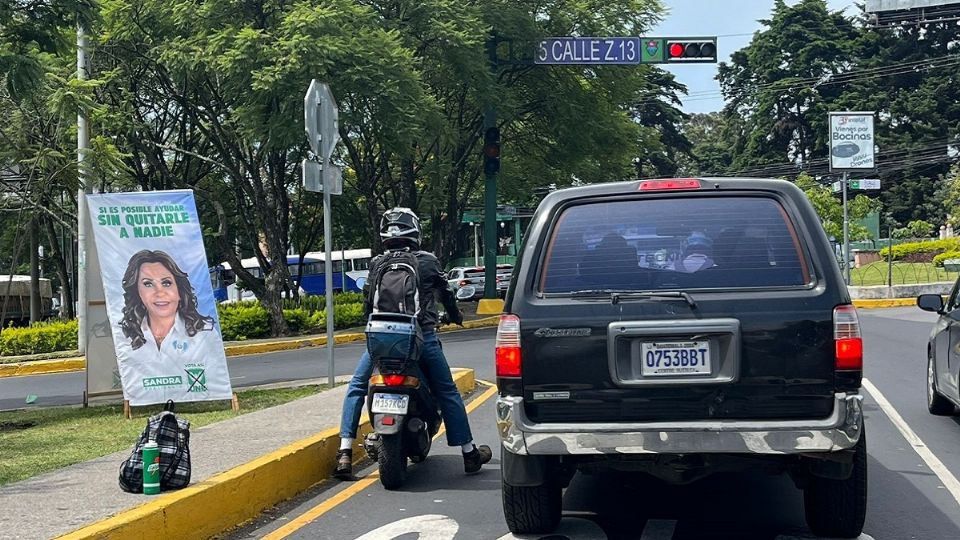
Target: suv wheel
<point>936,403</point>
<point>837,508</point>
<point>532,510</point>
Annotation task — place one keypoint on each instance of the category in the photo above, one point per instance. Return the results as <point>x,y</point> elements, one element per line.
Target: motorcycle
<point>403,413</point>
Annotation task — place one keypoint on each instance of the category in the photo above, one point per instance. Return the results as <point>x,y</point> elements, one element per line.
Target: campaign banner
<point>159,298</point>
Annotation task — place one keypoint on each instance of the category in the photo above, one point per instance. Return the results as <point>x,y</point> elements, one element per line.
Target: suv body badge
<point>562,332</point>
<point>539,396</point>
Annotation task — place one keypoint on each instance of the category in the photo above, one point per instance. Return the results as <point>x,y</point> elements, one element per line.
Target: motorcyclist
<point>400,229</point>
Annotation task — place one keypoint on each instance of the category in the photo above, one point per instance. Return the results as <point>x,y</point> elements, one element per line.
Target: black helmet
<point>400,227</point>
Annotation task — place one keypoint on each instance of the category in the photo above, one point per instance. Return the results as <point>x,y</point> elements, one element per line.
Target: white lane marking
<point>943,473</point>
<point>658,529</point>
<point>570,528</point>
<point>429,527</point>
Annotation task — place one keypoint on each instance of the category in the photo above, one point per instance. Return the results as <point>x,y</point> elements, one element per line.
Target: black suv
<point>679,328</point>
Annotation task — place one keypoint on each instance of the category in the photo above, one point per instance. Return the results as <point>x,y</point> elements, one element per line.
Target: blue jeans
<point>437,372</point>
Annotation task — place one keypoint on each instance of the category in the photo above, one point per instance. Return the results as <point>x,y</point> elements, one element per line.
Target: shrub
<point>243,320</point>
<point>39,338</point>
<point>938,260</point>
<point>312,303</point>
<point>298,319</point>
<point>344,316</point>
<point>921,251</point>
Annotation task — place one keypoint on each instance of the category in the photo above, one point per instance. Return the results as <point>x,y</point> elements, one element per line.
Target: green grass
<point>36,441</point>
<point>903,274</point>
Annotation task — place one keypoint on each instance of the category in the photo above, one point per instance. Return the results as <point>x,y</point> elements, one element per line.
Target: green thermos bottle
<point>151,468</point>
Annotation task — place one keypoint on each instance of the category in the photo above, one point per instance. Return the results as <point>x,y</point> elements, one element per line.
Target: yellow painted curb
<point>871,303</point>
<point>490,306</point>
<point>230,498</point>
<point>40,367</point>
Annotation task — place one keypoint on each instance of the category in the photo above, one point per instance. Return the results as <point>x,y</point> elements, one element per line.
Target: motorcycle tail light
<point>393,380</point>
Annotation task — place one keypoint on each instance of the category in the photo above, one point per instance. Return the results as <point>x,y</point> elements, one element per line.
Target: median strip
<point>212,506</point>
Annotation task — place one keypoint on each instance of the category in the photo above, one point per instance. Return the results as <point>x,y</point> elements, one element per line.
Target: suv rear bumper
<point>840,431</point>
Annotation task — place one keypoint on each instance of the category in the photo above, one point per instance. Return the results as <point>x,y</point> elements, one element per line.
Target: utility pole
<point>491,165</point>
<point>846,231</point>
<point>83,143</point>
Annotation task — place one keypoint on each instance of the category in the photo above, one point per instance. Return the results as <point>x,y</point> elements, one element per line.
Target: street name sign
<point>589,50</point>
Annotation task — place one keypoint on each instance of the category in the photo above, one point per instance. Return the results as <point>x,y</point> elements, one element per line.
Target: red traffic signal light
<point>491,150</point>
<point>692,50</point>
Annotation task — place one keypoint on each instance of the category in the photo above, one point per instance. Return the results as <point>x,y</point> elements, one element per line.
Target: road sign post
<point>852,148</point>
<point>321,123</point>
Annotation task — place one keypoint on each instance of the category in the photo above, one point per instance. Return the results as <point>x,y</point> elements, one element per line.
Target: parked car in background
<point>943,356</point>
<point>680,328</point>
<point>467,276</point>
<point>475,277</point>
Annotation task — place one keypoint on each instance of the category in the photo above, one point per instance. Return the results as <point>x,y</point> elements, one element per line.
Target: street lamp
<point>476,243</point>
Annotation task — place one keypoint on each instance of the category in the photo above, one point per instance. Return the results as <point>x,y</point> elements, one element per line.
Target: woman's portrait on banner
<point>160,312</point>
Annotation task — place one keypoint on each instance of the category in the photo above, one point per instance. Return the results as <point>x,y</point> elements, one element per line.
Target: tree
<point>780,86</point>
<point>830,209</point>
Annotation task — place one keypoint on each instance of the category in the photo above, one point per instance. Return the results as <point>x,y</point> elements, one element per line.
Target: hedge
<point>921,251</point>
<point>39,338</point>
<point>938,260</point>
<point>249,320</point>
<point>312,303</point>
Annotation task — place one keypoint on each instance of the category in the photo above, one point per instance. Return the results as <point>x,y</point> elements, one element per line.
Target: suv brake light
<point>669,185</point>
<point>508,346</point>
<point>846,335</point>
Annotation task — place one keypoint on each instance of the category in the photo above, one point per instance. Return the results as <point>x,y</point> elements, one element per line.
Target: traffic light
<point>692,50</point>
<point>491,150</point>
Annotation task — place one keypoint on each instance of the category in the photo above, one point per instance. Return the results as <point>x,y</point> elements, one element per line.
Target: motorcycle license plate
<point>390,403</point>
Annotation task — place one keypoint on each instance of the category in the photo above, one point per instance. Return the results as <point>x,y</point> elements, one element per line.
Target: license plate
<point>390,403</point>
<point>675,358</point>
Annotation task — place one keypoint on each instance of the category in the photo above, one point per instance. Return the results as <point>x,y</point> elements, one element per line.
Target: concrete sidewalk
<point>240,467</point>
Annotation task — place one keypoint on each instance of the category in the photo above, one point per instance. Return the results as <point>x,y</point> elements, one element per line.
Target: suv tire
<point>837,508</point>
<point>532,510</point>
<point>936,403</point>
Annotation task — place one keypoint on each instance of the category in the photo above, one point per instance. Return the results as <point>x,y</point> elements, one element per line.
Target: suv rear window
<point>679,243</point>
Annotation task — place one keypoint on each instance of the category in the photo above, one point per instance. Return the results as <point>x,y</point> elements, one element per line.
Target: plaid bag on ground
<point>172,435</point>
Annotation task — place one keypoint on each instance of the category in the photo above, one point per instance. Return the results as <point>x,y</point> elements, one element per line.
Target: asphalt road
<point>907,499</point>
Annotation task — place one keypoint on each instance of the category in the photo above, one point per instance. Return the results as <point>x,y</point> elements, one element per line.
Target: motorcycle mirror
<point>466,293</point>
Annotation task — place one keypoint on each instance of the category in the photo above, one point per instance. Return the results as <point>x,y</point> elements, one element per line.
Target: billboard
<point>159,299</point>
<point>852,142</point>
<point>877,6</point>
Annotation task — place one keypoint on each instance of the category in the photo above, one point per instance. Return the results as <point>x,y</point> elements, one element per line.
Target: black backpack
<point>172,435</point>
<point>397,285</point>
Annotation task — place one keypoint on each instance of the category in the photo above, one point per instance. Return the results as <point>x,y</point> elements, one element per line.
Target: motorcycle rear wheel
<point>392,461</point>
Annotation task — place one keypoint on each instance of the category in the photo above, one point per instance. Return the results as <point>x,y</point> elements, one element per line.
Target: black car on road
<point>680,328</point>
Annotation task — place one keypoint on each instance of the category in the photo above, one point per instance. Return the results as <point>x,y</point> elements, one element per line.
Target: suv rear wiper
<point>617,297</point>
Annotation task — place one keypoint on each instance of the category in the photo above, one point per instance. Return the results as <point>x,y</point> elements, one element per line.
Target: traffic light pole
<point>490,194</point>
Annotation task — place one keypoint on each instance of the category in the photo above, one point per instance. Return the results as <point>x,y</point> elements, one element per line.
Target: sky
<point>733,22</point>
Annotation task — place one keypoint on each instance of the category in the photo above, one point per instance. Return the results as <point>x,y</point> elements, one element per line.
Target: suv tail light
<point>846,335</point>
<point>508,346</point>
